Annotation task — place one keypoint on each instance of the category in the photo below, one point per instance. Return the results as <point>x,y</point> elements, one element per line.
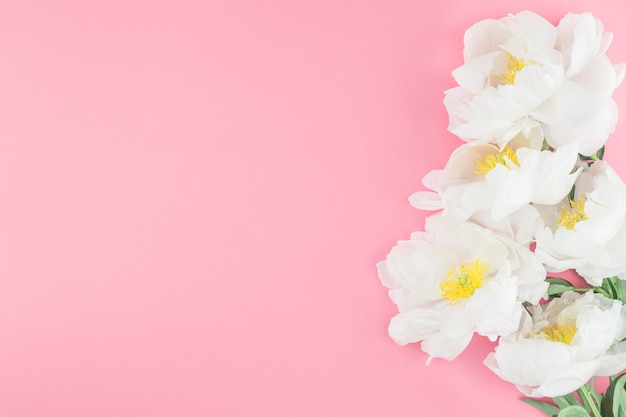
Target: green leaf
<point>612,287</point>
<point>620,288</point>
<point>565,401</point>
<point>571,399</point>
<point>543,406</point>
<point>614,404</point>
<point>608,285</point>
<point>600,153</point>
<point>558,286</point>
<point>573,411</point>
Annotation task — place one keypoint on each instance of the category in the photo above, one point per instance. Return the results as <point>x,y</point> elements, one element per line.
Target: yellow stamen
<point>573,214</point>
<point>563,333</point>
<point>514,65</point>
<point>490,161</point>
<point>461,282</point>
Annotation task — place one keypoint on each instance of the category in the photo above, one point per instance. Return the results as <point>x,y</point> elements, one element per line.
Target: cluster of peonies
<point>527,194</point>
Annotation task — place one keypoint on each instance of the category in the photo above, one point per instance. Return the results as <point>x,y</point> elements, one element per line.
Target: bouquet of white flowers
<point>528,194</point>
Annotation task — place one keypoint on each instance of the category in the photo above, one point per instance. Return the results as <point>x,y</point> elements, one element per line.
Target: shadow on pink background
<point>194,196</point>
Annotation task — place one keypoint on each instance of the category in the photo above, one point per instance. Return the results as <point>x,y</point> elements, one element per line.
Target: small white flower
<point>456,279</point>
<point>562,345</point>
<point>521,72</point>
<point>587,233</point>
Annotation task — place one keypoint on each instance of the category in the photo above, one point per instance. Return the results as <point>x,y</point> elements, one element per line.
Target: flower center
<point>514,66</point>
<point>489,162</point>
<point>461,282</point>
<point>573,214</point>
<point>563,333</point>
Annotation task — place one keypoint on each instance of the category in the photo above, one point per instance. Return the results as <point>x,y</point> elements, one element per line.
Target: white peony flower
<point>455,279</point>
<point>521,72</point>
<point>562,344</point>
<point>588,233</point>
<point>489,186</point>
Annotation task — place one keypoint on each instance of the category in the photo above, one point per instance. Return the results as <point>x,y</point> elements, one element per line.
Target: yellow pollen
<point>461,282</point>
<point>514,65</point>
<point>573,214</point>
<point>489,162</point>
<point>563,333</point>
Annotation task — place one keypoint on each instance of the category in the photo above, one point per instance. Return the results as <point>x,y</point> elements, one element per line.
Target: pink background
<point>193,197</point>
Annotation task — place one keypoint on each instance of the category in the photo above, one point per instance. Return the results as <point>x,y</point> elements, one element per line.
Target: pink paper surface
<point>193,197</point>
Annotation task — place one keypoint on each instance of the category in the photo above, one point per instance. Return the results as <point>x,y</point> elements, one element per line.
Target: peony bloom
<point>521,72</point>
<point>562,344</point>
<point>455,279</point>
<point>588,233</point>
<point>486,185</point>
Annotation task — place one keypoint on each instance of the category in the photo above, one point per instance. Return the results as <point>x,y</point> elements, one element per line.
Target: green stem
<point>599,290</point>
<point>585,395</point>
<point>595,158</point>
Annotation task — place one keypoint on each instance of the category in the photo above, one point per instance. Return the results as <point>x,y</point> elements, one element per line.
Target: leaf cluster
<point>587,402</point>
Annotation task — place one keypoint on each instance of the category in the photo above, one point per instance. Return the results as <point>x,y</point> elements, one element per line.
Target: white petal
<point>580,36</point>
<point>450,341</point>
<point>426,200</point>
<point>415,325</point>
<point>484,36</point>
<point>533,28</point>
